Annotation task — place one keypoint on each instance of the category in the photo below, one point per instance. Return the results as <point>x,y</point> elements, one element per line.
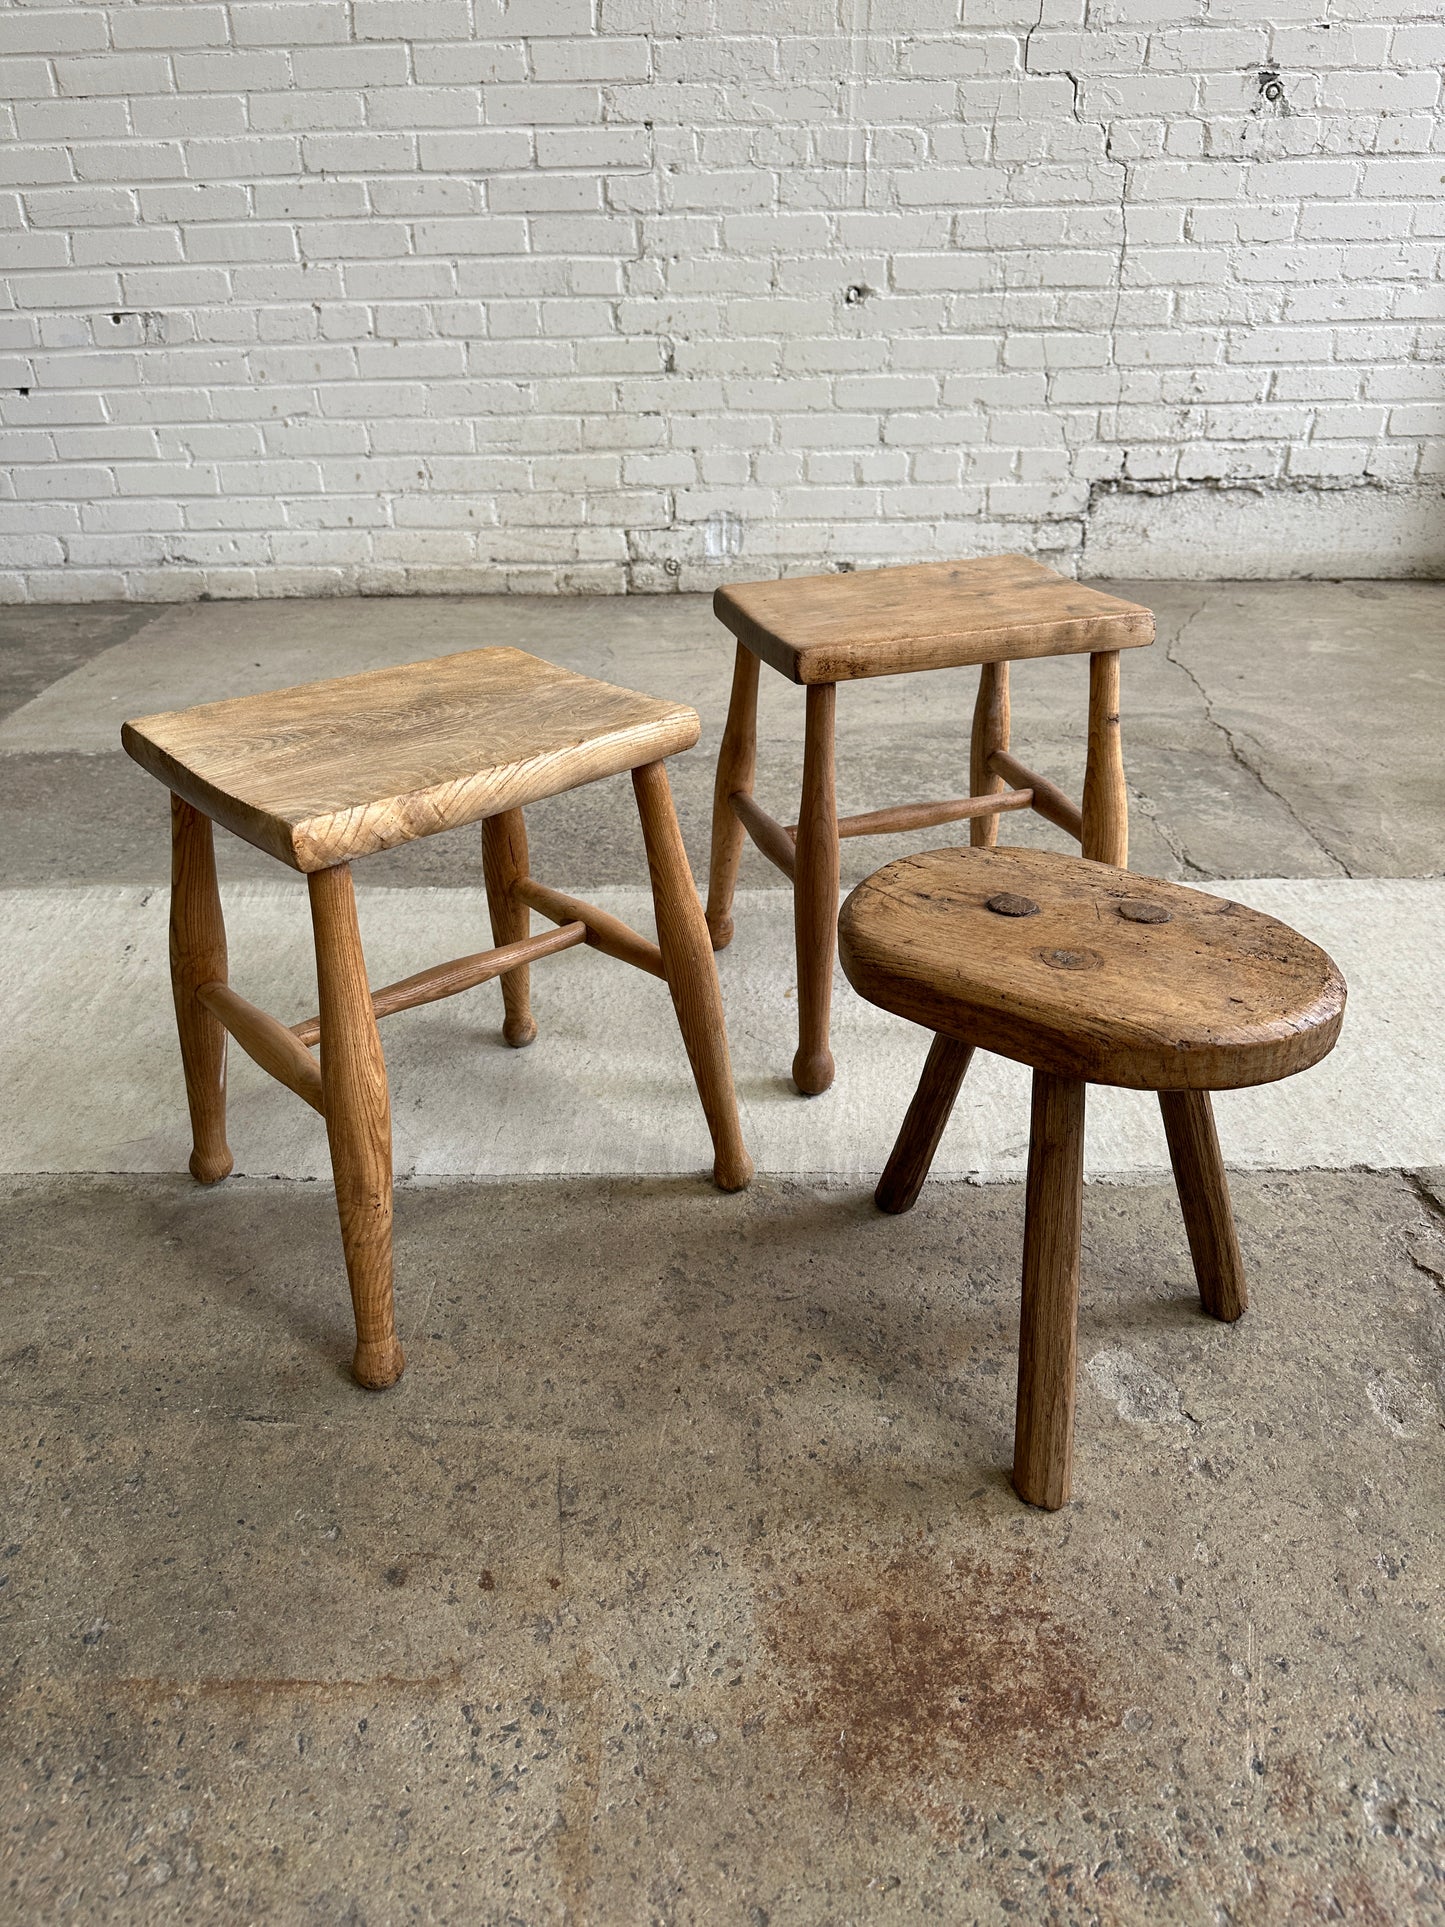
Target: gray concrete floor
<point>680,1579</point>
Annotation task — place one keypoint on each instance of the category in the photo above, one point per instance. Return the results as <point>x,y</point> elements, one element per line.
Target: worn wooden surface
<point>329,771</point>
<point>930,615</point>
<point>1046,799</point>
<point>198,956</point>
<point>266,1041</point>
<point>604,932</point>
<point>1048,1315</point>
<point>1218,997</point>
<point>358,1124</point>
<point>923,1126</point>
<point>1204,1199</point>
<point>687,959</point>
<point>504,862</point>
<point>989,737</point>
<point>815,894</point>
<point>737,761</point>
<point>1104,820</point>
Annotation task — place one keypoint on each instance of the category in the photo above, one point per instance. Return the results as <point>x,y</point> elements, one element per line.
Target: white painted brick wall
<point>307,296</point>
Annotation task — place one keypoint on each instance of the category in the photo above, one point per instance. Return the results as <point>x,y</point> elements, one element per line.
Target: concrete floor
<point>680,1579</point>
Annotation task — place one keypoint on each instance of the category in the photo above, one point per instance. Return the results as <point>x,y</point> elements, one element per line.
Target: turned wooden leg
<point>912,1154</point>
<point>1048,1335</point>
<point>1106,799</point>
<point>737,760</point>
<point>990,732</point>
<point>687,962</point>
<point>198,956</point>
<point>358,1124</point>
<point>815,894</point>
<point>504,860</point>
<point>1204,1199</point>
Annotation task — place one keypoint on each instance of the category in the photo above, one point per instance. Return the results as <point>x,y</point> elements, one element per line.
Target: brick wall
<point>326,295</point>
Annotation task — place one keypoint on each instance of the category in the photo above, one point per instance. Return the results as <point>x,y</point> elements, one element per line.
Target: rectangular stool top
<point>327,771</point>
<point>931,615</point>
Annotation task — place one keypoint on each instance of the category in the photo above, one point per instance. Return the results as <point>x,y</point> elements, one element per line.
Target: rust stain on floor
<point>931,1679</point>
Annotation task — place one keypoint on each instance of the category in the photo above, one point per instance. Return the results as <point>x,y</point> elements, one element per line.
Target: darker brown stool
<point>820,630</point>
<point>322,774</point>
<point>1089,977</point>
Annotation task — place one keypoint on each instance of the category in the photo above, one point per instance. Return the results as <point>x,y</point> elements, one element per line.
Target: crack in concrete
<point>1171,840</point>
<point>1232,745</point>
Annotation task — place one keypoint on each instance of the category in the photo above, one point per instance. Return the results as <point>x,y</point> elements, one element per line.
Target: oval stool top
<point>1113,978</point>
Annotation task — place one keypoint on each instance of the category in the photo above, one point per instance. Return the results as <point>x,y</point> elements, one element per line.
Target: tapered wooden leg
<point>358,1124</point>
<point>736,763</point>
<point>198,956</point>
<point>504,859</point>
<point>687,962</point>
<point>1048,1335</point>
<point>1106,798</point>
<point>815,894</point>
<point>912,1154</point>
<point>1204,1200</point>
<point>990,732</point>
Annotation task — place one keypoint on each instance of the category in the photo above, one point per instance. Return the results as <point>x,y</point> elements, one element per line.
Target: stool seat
<point>1088,972</point>
<point>931,615</point>
<point>327,771</point>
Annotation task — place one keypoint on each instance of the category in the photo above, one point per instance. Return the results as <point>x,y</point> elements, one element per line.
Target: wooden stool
<point>825,629</point>
<point>330,771</point>
<point>1090,977</point>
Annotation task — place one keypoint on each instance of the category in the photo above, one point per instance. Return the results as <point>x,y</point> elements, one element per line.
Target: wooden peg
<point>358,1123</point>
<point>198,956</point>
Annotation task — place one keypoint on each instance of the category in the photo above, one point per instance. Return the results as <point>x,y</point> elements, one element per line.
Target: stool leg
<point>737,760</point>
<point>198,956</point>
<point>358,1124</point>
<point>687,961</point>
<point>1204,1199</point>
<point>1106,797</point>
<point>504,860</point>
<point>990,732</point>
<point>912,1154</point>
<point>815,894</point>
<point>1048,1335</point>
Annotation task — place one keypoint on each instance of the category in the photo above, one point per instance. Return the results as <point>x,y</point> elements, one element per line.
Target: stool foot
<point>1204,1199</point>
<point>736,764</point>
<point>1048,1335</point>
<point>687,961</point>
<point>918,1138</point>
<point>504,860</point>
<point>358,1123</point>
<point>198,956</point>
<point>815,894</point>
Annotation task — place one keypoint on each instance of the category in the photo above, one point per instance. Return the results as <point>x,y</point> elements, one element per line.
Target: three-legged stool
<point>826,629</point>
<point>1090,977</point>
<point>330,771</point>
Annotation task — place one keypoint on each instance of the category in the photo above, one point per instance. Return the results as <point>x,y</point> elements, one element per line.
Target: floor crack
<point>1232,745</point>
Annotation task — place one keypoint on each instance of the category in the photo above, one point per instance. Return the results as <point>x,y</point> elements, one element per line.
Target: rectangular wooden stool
<point>324,773</point>
<point>825,629</point>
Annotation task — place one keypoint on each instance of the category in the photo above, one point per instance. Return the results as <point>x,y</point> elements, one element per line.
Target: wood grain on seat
<point>327,771</point>
<point>1214,998</point>
<point>934,615</point>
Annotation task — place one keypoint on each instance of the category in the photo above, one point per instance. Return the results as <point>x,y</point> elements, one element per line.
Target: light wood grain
<point>1105,825</point>
<point>815,894</point>
<point>736,764</point>
<point>358,1124</point>
<point>989,737</point>
<point>266,1041</point>
<point>1047,799</point>
<point>606,933</point>
<point>328,771</point>
<point>687,959</point>
<point>931,615</point>
<point>1204,1199</point>
<point>1218,997</point>
<point>927,816</point>
<point>923,1127</point>
<point>504,860</point>
<point>198,956</point>
<point>1048,1320</point>
<point>777,843</point>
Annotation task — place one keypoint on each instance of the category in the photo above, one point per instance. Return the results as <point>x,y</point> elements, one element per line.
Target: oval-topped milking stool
<point>1090,976</point>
